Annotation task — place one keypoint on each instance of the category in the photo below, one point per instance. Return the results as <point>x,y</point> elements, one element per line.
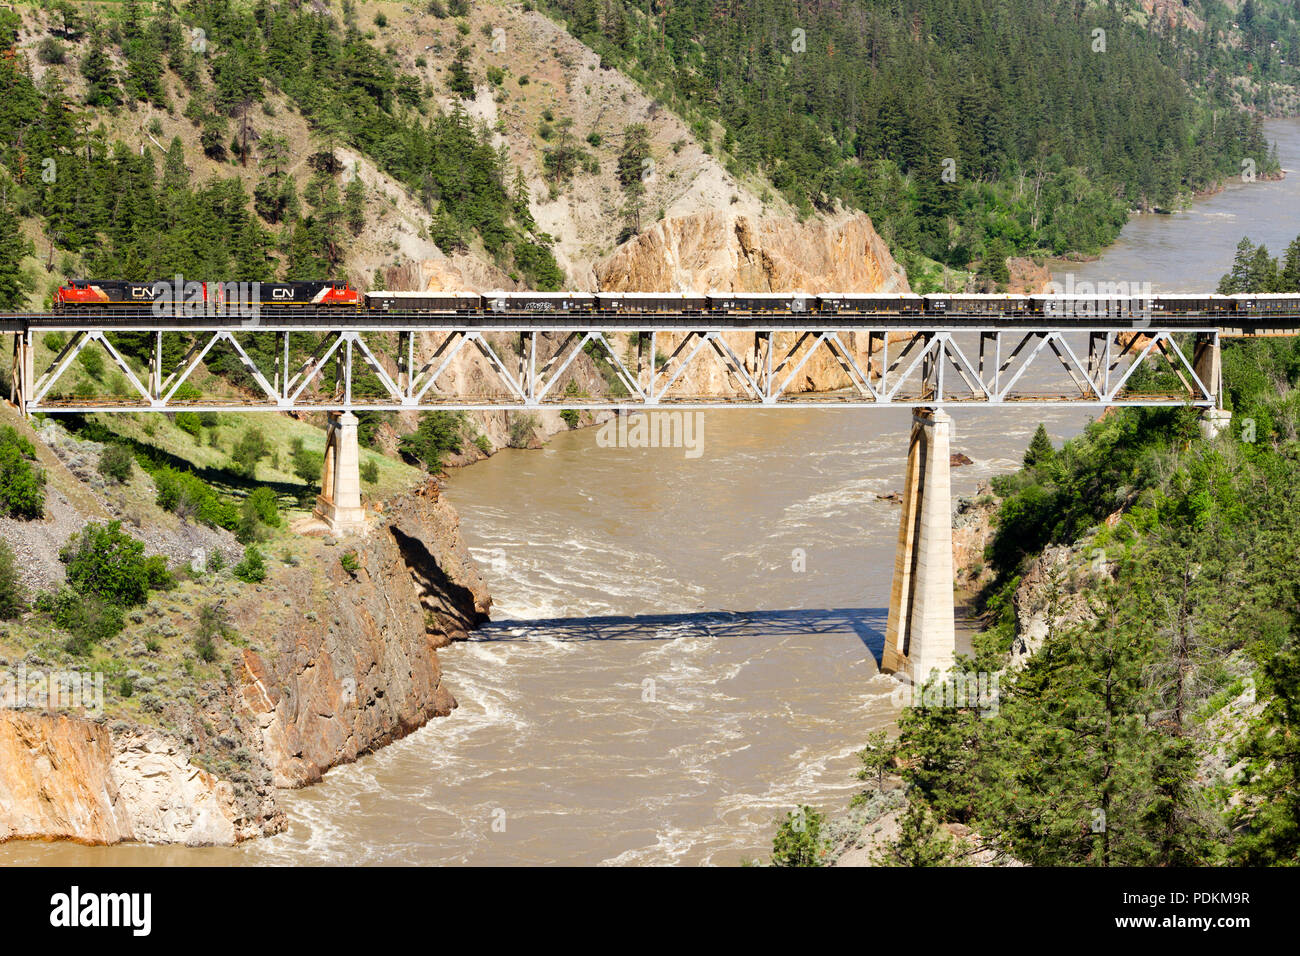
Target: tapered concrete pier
<point>23,374</point>
<point>1207,362</point>
<point>921,634</point>
<point>339,501</point>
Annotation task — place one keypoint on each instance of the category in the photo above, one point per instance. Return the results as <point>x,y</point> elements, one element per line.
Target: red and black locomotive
<point>118,294</point>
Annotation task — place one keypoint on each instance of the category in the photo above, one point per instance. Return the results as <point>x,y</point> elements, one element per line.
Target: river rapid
<point>682,648</point>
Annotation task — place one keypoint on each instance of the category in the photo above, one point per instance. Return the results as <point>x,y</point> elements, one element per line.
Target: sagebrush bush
<point>115,462</point>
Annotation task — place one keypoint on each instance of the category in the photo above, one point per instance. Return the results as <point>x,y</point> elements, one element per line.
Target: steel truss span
<point>525,362</point>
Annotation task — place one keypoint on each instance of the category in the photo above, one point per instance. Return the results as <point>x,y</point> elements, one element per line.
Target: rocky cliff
<point>67,777</point>
<point>362,671</point>
<point>733,252</point>
<point>321,665</point>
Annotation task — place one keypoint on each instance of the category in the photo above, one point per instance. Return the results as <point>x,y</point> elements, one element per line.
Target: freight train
<point>84,295</point>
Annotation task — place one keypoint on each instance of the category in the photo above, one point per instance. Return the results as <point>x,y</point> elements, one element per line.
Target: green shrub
<point>570,416</point>
<point>258,512</point>
<point>308,465</point>
<point>157,573</point>
<point>214,623</point>
<point>264,504</point>
<point>436,434</point>
<point>798,840</point>
<point>252,569</point>
<point>349,561</point>
<point>55,341</point>
<point>190,423</point>
<point>126,688</point>
<point>115,462</point>
<point>12,603</point>
<point>106,562</point>
<point>22,482</point>
<point>50,51</point>
<point>92,360</point>
<point>370,471</point>
<point>189,496</point>
<point>88,618</point>
<point>521,429</point>
<point>248,452</point>
<point>216,561</point>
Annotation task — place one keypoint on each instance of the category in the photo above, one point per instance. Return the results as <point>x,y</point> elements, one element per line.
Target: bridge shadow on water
<point>867,623</point>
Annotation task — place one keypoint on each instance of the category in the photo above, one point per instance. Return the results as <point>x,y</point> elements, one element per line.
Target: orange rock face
<point>69,778</point>
<point>56,780</point>
<point>718,250</point>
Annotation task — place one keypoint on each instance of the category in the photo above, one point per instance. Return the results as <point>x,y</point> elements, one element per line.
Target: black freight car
<point>442,302</point>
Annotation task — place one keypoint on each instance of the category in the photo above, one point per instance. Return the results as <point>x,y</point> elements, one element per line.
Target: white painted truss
<point>750,367</point>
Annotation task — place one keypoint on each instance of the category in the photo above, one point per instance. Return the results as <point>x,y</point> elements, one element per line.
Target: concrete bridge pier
<point>921,633</point>
<point>339,502</point>
<point>1207,362</point>
<point>23,373</point>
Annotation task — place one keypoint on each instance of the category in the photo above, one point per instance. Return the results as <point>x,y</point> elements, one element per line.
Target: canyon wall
<point>729,251</point>
<point>327,665</point>
<point>361,671</point>
<point>738,253</point>
<point>64,777</point>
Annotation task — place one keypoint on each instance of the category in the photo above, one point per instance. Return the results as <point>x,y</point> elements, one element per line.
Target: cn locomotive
<point>83,295</point>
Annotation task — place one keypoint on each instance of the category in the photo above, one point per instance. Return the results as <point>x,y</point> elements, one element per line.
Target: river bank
<point>1189,249</point>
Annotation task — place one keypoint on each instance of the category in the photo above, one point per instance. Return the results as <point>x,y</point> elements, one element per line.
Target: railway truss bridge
<point>340,362</point>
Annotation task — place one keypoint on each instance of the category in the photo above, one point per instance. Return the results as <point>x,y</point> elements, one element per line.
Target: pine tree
<point>1040,448</point>
<point>273,152</point>
<point>1073,753</point>
<point>354,199</point>
<point>798,840</point>
<point>460,81</point>
<point>101,83</point>
<point>877,758</point>
<point>920,842</point>
<point>1269,820</point>
<point>1289,278</point>
<point>176,175</point>
<point>14,246</point>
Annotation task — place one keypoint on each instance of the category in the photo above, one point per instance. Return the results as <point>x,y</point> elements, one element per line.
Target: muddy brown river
<point>682,648</point>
